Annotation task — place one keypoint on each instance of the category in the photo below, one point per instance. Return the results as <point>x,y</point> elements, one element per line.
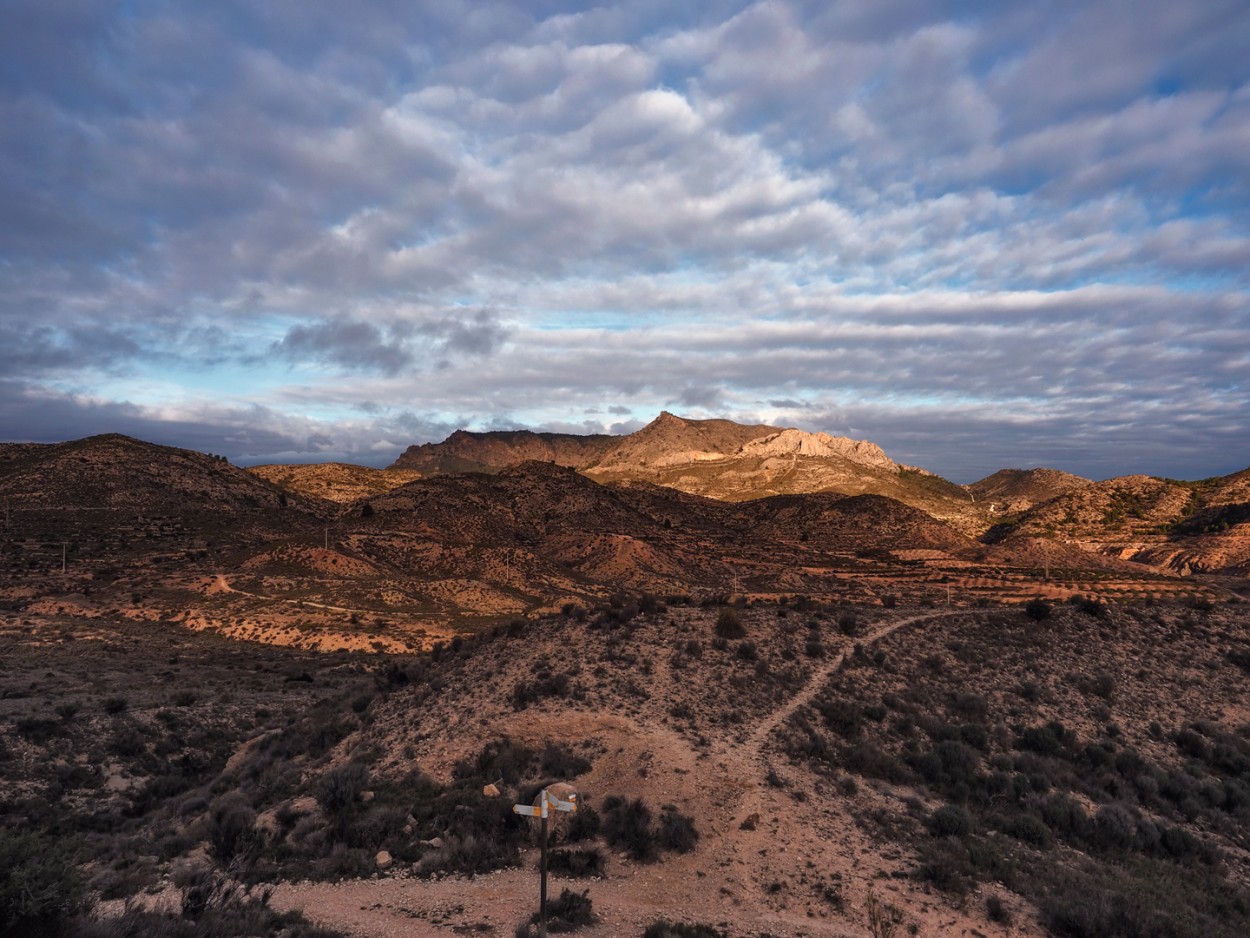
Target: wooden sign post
<point>543,805</point>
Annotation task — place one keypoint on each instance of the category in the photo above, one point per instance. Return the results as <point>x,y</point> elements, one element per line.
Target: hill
<point>110,497</point>
<point>1074,770</point>
<point>1188,527</point>
<point>1014,490</point>
<point>335,481</point>
<point>491,451</point>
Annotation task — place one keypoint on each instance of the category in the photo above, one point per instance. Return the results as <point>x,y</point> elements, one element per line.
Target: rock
<point>366,796</point>
<point>435,842</point>
<point>383,860</point>
<point>750,823</point>
<point>491,791</point>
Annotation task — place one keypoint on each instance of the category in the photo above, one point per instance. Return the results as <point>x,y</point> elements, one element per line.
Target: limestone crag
<point>801,443</point>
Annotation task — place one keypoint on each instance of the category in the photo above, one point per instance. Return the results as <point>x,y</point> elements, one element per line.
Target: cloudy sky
<point>979,234</point>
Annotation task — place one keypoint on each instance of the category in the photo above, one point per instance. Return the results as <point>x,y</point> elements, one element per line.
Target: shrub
<point>339,789</point>
<point>38,730</point>
<point>232,834</point>
<point>1037,609</point>
<point>677,832</point>
<point>666,929</point>
<point>1115,827</point>
<point>570,911</point>
<point>544,685</point>
<point>997,910</point>
<point>729,625</point>
<point>627,825</point>
<point>1029,828</point>
<point>499,759</point>
<point>1089,606</point>
<point>843,717</point>
<point>584,825</point>
<point>40,888</point>
<point>561,762</point>
<point>950,820</point>
<point>580,862</point>
<point>1045,740</point>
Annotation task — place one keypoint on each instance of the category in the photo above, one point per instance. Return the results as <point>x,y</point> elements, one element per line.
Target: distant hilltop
<point>668,440</point>
<point>715,458</point>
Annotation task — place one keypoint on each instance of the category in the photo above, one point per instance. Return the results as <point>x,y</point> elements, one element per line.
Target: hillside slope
<point>337,482</point>
<point>1187,527</point>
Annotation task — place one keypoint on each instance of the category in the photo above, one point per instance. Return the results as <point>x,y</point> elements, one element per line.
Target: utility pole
<point>63,546</point>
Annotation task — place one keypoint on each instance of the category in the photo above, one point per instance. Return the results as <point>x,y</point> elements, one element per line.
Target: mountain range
<point>339,555</point>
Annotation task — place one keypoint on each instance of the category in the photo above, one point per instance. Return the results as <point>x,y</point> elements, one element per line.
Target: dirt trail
<point>719,788</point>
<point>755,742</point>
<point>222,585</point>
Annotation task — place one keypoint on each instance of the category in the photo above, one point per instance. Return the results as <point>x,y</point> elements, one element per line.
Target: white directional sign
<point>545,799</point>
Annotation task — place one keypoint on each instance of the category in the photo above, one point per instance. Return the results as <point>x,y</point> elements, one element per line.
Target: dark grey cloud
<point>476,333</point>
<point>353,345</point>
<point>357,345</point>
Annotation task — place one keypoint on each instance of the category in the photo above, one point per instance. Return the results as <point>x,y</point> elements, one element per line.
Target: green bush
<point>729,625</point>
<point>627,826</point>
<point>950,820</point>
<point>338,791</point>
<point>232,833</point>
<point>677,832</point>
<point>1037,609</point>
<point>580,862</point>
<point>40,887</point>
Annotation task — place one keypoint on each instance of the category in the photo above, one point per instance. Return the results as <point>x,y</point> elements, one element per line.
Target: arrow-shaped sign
<point>544,799</point>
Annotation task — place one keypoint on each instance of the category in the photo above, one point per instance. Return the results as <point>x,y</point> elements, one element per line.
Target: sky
<point>979,234</point>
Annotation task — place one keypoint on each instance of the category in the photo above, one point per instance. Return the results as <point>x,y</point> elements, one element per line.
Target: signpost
<point>541,808</point>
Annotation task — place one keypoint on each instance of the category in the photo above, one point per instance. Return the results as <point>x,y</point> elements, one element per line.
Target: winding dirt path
<point>755,742</point>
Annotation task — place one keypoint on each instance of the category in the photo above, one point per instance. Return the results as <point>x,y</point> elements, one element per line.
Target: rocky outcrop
<point>800,443</point>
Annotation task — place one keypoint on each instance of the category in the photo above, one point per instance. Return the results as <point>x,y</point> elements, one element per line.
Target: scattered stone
<point>383,860</point>
<point>491,791</point>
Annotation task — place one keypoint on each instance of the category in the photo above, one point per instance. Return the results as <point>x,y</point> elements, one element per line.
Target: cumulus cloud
<point>1012,231</point>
